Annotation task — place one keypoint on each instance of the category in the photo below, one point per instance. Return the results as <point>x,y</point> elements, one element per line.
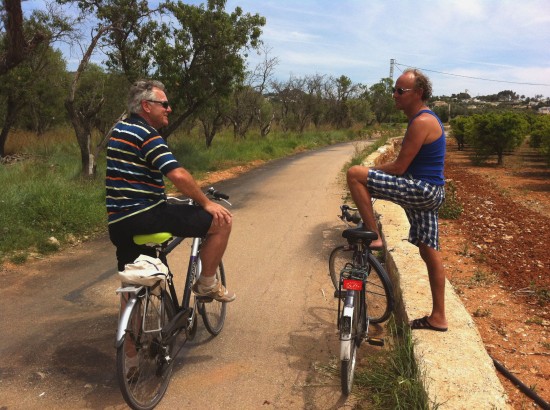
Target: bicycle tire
<point>212,311</point>
<point>379,297</point>
<point>349,360</point>
<point>143,380</point>
<point>336,261</point>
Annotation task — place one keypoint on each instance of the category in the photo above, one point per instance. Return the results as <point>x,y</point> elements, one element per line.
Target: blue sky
<point>490,39</point>
<point>505,44</point>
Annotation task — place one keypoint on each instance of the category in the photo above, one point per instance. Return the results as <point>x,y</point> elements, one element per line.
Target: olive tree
<point>540,135</point>
<point>200,54</point>
<point>381,100</point>
<point>459,128</point>
<point>495,134</point>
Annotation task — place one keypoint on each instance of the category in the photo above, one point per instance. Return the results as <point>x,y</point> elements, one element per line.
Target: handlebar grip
<point>355,217</point>
<point>221,196</point>
<point>217,194</point>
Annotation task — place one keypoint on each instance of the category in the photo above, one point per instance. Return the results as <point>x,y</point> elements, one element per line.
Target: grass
<point>451,208</point>
<point>44,196</point>
<point>482,278</point>
<point>481,313</point>
<point>392,379</point>
<point>535,321</point>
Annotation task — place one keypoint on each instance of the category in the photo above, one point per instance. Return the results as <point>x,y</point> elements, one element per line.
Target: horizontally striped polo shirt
<point>137,159</point>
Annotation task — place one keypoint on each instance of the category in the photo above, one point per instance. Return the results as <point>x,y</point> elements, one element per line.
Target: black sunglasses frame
<point>401,90</point>
<point>165,104</point>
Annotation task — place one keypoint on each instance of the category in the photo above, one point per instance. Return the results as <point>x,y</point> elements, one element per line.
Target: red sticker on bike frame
<point>351,284</point>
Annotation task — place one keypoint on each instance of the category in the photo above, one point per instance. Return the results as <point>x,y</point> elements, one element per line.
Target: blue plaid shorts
<point>420,200</point>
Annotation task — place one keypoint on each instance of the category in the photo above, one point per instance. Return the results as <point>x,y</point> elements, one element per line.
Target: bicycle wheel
<point>348,347</point>
<point>336,262</point>
<point>214,312</point>
<point>378,292</point>
<point>142,370</point>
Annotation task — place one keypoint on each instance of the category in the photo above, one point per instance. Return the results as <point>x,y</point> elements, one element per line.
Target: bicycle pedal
<point>339,294</point>
<point>375,341</point>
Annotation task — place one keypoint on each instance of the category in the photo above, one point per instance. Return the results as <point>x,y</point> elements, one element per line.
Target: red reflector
<point>351,284</point>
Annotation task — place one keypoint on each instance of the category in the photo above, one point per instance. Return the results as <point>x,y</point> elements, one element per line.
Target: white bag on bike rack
<point>145,271</point>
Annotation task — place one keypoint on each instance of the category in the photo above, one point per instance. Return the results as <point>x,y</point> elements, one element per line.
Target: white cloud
<point>490,40</point>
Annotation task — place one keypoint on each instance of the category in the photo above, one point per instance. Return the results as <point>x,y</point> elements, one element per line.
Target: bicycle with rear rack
<point>364,292</point>
<point>153,325</point>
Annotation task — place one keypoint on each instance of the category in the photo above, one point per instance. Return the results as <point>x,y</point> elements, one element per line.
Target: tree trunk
<point>82,121</point>
<point>500,156</point>
<point>3,139</point>
<point>266,128</point>
<point>9,120</point>
<point>17,48</point>
<point>84,138</point>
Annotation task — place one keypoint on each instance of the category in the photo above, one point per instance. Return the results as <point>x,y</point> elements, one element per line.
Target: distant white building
<point>544,110</point>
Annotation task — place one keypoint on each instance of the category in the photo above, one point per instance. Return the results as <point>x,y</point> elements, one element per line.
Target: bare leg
<point>357,178</point>
<point>436,274</point>
<point>214,248</point>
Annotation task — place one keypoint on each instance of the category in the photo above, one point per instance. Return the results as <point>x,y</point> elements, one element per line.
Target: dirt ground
<point>497,257</point>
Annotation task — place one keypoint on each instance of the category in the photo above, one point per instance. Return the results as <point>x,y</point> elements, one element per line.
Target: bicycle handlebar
<point>217,194</point>
<point>210,192</point>
<point>350,217</point>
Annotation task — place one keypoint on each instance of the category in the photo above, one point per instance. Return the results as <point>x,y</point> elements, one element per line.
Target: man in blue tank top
<point>415,181</point>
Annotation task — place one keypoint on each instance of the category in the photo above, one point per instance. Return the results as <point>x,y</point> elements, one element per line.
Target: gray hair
<point>421,81</point>
<point>142,90</point>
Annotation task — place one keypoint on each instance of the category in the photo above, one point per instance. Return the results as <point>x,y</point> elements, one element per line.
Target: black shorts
<point>186,221</point>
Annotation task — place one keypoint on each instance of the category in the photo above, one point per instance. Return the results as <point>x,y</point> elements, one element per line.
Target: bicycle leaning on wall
<point>364,292</point>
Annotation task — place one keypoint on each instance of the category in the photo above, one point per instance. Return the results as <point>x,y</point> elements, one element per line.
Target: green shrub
<point>451,208</point>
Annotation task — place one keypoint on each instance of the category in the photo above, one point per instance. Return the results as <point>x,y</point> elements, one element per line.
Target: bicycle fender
<point>123,321</point>
<point>345,350</point>
<point>348,312</point>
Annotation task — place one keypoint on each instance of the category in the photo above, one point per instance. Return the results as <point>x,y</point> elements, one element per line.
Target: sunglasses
<point>401,91</point>
<point>165,104</point>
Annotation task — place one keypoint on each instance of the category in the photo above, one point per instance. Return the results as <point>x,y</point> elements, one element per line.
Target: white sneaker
<point>217,292</point>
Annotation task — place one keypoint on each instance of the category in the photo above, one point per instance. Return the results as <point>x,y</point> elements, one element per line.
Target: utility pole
<point>392,62</point>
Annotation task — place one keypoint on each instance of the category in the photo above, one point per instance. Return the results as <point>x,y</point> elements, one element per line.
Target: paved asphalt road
<point>278,348</point>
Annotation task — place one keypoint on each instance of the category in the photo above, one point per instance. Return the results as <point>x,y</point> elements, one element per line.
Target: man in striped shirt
<point>137,160</point>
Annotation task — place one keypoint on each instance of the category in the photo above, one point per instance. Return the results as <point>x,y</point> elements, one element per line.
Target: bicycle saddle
<point>359,233</point>
<point>152,238</point>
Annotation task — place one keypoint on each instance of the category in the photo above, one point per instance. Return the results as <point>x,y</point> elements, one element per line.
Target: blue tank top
<point>428,164</point>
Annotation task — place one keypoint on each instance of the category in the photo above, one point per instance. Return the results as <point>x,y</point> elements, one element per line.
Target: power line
<point>474,78</point>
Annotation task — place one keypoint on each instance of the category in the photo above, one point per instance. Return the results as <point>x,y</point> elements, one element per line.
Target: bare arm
<point>185,183</point>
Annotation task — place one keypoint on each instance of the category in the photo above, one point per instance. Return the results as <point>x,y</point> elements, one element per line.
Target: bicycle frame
<point>138,291</point>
